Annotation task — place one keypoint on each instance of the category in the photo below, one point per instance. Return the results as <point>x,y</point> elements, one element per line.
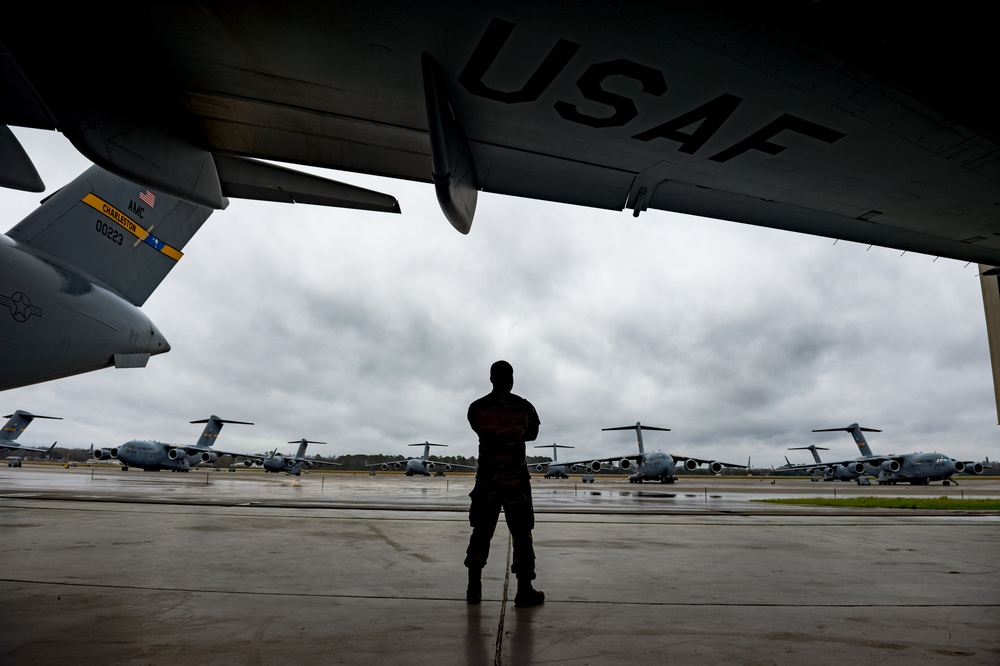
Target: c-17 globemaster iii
<point>913,468</point>
<point>422,466</point>
<point>153,456</point>
<point>277,463</point>
<point>656,465</point>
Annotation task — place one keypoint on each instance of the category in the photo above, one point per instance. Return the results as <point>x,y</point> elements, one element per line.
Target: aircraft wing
<point>453,465</point>
<point>6,445</point>
<point>822,118</point>
<point>388,462</point>
<point>321,462</point>
<point>707,462</point>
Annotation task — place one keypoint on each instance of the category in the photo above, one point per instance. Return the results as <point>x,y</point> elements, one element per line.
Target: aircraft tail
<point>303,444</point>
<point>121,234</point>
<point>813,449</point>
<point>555,449</point>
<point>213,425</point>
<point>857,432</point>
<point>17,422</point>
<point>638,427</point>
<point>427,448</point>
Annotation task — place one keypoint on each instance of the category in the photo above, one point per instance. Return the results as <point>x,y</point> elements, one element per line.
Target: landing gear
<point>124,468</point>
<point>946,482</point>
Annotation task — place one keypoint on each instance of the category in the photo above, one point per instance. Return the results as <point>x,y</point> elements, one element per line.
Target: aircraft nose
<point>157,342</point>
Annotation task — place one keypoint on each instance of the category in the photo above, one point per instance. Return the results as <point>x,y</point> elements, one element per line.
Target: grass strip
<point>942,503</point>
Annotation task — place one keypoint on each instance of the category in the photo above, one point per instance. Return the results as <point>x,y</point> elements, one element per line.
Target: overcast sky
<point>374,331</point>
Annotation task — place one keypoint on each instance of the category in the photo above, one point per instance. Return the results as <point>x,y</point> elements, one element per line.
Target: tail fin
<point>555,449</point>
<point>427,448</point>
<point>17,422</point>
<point>212,428</point>
<point>303,443</point>
<point>859,438</point>
<point>813,448</point>
<point>121,234</point>
<point>638,427</point>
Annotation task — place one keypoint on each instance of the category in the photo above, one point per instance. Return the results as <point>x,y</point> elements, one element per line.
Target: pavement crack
<point>503,605</point>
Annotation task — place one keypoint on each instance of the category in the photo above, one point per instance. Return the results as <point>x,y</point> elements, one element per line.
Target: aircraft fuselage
<point>56,322</point>
<point>654,466</point>
<point>155,456</point>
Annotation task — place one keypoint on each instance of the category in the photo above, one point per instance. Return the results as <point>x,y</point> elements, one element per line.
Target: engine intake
<point>209,457</point>
<point>104,454</point>
<point>716,467</point>
<point>890,466</point>
<point>625,464</point>
<point>176,454</point>
<point>690,465</point>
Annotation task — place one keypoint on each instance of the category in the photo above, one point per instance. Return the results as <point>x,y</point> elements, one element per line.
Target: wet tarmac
<point>100,566</point>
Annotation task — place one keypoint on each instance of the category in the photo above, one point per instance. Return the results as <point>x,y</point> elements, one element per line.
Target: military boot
<point>527,595</point>
<point>474,593</point>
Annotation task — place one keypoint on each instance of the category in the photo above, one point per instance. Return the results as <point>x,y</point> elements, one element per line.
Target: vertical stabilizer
<point>812,449</point>
<point>303,444</point>
<point>17,422</point>
<point>638,427</point>
<point>857,432</point>
<point>213,425</point>
<point>119,233</point>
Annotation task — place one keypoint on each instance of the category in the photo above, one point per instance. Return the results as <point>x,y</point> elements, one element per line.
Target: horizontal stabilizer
<point>641,427</point>
<point>847,429</point>
<point>249,179</point>
<point>131,360</point>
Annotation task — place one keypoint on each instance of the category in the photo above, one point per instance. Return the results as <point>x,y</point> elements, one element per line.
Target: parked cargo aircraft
<point>912,468</point>
<point>74,273</point>
<point>293,465</point>
<point>423,465</point>
<point>154,456</point>
<point>16,424</point>
<point>656,465</point>
<point>555,469</point>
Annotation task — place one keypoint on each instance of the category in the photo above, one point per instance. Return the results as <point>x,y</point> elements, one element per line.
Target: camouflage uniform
<point>504,422</point>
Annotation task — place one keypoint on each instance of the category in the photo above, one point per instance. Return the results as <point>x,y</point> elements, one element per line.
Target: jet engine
<point>974,468</point>
<point>625,464</point>
<point>857,467</point>
<point>690,465</point>
<point>716,467</point>
<point>209,457</point>
<point>176,454</point>
<point>890,466</point>
<point>398,465</point>
<point>594,467</point>
<point>539,468</point>
<point>384,466</point>
<point>305,463</point>
<point>447,468</point>
<point>249,463</point>
<point>104,454</point>
<point>430,467</point>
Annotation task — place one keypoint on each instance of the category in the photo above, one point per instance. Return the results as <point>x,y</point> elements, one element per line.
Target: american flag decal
<point>148,197</point>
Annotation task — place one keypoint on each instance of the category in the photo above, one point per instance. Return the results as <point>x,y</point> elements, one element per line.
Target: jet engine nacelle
<point>398,465</point>
<point>690,465</point>
<point>431,466</point>
<point>447,468</point>
<point>716,467</point>
<point>249,463</point>
<point>105,454</point>
<point>176,454</point>
<point>594,467</point>
<point>384,466</point>
<point>890,466</point>
<point>209,457</point>
<point>974,468</point>
<point>539,468</point>
<point>857,468</point>
<point>306,464</point>
<point>625,464</point>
